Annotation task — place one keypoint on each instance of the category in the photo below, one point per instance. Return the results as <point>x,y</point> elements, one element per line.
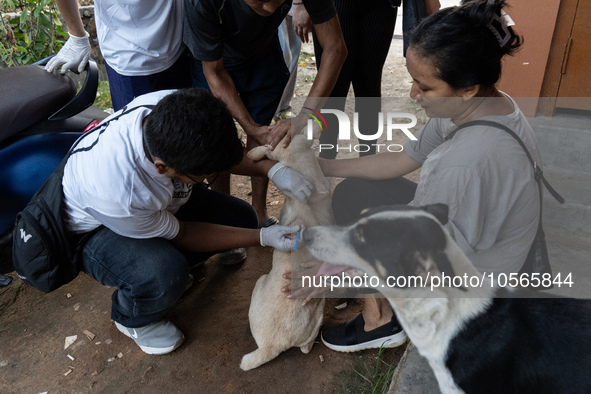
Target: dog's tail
<point>258,357</point>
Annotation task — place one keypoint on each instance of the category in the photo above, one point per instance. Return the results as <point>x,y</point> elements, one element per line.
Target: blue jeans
<point>151,274</point>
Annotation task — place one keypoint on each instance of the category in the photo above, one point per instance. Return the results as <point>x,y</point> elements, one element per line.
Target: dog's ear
<point>438,265</point>
<point>440,211</point>
<point>258,153</point>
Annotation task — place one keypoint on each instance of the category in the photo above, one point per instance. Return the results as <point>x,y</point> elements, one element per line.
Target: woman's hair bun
<point>490,14</point>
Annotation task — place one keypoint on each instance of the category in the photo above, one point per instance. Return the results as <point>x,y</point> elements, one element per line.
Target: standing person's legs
<point>125,88</point>
<point>376,325</point>
<point>348,18</point>
<point>261,86</point>
<point>222,182</point>
<point>376,28</point>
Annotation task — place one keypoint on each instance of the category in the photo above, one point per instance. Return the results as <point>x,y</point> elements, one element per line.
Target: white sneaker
<point>157,338</point>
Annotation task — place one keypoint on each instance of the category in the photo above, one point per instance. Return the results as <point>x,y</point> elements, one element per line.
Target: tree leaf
<point>23,18</point>
<point>44,21</point>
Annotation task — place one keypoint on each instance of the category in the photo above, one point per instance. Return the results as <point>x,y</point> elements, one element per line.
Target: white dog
<point>276,322</point>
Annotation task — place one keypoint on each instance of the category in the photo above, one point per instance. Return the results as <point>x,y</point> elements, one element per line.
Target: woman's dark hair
<point>193,133</point>
<point>466,43</point>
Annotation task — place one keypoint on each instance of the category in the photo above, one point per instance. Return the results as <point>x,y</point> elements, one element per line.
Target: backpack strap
<point>538,172</point>
<point>102,126</point>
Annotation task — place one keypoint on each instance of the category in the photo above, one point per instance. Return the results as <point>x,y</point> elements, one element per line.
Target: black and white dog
<point>477,339</point>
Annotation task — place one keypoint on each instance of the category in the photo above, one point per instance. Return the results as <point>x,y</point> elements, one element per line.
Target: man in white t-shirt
<point>141,42</point>
<point>135,188</point>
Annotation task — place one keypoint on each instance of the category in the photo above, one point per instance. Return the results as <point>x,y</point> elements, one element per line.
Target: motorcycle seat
<point>29,95</point>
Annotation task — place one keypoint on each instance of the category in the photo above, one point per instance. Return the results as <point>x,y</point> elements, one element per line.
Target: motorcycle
<point>41,115</point>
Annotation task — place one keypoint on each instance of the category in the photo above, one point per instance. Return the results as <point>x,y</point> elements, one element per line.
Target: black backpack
<point>44,253</point>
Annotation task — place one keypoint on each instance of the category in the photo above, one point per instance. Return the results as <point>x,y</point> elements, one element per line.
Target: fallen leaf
<point>89,335</point>
<point>70,340</point>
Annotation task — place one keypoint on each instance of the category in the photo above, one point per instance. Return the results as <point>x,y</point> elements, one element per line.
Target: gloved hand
<point>75,52</point>
<point>279,237</point>
<point>291,183</point>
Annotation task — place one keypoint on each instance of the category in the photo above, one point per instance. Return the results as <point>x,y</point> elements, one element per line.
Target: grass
<point>375,378</point>
<point>103,96</point>
<point>379,376</point>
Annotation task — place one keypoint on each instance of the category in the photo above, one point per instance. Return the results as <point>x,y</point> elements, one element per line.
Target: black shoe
<point>351,336</point>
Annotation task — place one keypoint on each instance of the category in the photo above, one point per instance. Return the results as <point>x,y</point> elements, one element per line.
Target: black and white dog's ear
<point>440,211</point>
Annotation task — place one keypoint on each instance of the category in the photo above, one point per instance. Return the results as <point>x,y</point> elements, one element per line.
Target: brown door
<point>575,81</point>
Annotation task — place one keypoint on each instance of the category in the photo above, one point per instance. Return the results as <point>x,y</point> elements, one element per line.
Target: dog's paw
<point>258,153</point>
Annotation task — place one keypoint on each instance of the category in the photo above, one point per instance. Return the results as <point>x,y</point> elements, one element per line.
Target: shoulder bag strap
<point>538,173</point>
<point>101,126</point>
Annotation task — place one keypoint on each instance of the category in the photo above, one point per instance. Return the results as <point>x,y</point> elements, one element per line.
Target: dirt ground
<point>213,316</point>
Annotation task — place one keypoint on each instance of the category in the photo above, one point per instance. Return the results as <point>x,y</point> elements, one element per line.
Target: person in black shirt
<point>237,56</point>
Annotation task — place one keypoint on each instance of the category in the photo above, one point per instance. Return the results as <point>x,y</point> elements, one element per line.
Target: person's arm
<point>288,181</point>
<point>334,53</point>
<point>69,9</point>
<point>210,237</point>
<point>381,166</point>
<point>301,22</point>
<point>222,86</point>
<point>432,6</point>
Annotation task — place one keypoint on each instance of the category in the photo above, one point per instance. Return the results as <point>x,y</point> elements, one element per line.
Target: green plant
<point>309,78</point>
<point>29,30</point>
<point>379,376</point>
<point>306,58</point>
<point>103,96</point>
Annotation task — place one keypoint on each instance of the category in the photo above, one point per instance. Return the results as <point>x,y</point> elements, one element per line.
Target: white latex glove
<point>280,237</point>
<point>75,52</point>
<point>291,183</point>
